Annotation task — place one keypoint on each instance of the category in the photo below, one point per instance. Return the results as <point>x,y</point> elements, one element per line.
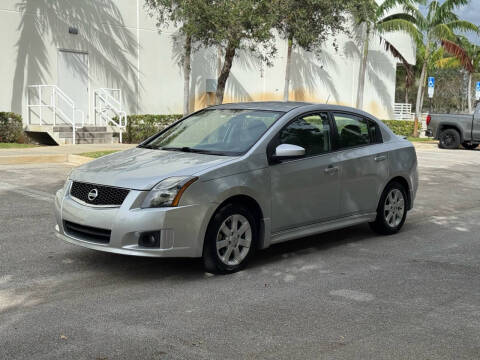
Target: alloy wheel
<point>394,208</point>
<point>234,239</point>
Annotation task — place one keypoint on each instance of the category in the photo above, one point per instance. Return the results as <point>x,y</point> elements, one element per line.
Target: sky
<point>470,12</point>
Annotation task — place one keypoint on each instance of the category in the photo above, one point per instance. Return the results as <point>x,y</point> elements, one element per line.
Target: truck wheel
<point>468,146</point>
<point>449,139</point>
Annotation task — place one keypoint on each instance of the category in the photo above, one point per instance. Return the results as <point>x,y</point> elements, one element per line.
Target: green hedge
<point>400,127</point>
<point>140,127</point>
<point>11,128</point>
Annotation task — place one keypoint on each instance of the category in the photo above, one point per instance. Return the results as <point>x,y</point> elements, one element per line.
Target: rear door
<point>363,160</point>
<point>306,190</point>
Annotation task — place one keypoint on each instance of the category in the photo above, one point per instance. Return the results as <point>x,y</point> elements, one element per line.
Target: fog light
<point>149,239</point>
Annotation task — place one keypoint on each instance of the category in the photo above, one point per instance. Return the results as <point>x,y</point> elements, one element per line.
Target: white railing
<point>55,96</point>
<point>402,111</point>
<point>108,105</point>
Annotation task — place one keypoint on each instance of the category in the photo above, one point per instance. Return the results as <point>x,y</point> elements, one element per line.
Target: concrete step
<point>64,128</point>
<point>89,141</point>
<point>85,135</point>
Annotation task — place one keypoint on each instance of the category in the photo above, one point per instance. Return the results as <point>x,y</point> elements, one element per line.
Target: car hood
<point>141,169</point>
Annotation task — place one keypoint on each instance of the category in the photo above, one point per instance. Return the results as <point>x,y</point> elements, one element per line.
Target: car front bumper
<point>181,228</point>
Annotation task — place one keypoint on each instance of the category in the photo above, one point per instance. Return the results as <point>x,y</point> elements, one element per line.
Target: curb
<point>42,159</point>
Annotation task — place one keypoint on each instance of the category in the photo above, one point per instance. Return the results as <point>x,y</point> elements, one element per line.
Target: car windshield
<point>216,131</point>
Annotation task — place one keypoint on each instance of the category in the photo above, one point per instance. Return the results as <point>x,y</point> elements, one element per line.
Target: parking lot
<point>346,294</point>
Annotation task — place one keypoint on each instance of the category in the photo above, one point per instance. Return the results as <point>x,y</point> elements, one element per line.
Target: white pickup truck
<point>453,130</point>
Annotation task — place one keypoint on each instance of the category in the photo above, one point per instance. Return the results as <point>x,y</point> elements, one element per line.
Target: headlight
<point>168,192</point>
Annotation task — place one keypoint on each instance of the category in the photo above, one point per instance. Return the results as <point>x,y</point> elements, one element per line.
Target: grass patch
<point>97,154</point>
<point>426,140</point>
<point>15,146</point>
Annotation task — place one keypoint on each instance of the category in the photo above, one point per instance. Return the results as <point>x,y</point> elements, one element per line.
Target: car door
<point>305,190</point>
<point>364,163</point>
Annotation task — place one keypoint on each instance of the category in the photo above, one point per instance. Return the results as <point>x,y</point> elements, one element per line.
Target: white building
<point>83,46</point>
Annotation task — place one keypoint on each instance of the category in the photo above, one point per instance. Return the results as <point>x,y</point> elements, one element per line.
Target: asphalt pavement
<point>347,294</point>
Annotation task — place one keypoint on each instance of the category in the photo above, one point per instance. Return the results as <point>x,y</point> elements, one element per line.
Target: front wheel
<point>230,239</point>
<point>468,146</point>
<point>449,139</point>
<point>391,211</point>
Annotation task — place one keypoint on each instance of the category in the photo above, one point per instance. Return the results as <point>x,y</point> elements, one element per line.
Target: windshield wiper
<point>192,150</point>
<point>148,147</point>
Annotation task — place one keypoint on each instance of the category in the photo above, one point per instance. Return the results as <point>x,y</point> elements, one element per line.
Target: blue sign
<point>478,86</point>
<point>431,82</point>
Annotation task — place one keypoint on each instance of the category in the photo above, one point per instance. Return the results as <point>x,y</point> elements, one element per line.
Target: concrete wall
<point>127,52</point>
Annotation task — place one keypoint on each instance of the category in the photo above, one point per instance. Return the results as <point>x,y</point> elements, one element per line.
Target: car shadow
<point>312,244</point>
<point>135,268</point>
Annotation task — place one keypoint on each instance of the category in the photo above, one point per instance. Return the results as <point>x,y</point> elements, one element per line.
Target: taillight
<point>429,118</point>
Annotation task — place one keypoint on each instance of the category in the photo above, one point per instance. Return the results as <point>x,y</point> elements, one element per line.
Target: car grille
<point>87,232</point>
<point>106,195</point>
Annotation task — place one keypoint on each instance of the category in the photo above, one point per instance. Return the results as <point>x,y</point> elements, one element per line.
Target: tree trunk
<point>225,72</point>
<point>286,90</point>
<point>419,104</point>
<point>186,75</point>
<point>469,93</point>
<point>406,87</point>
<point>363,68</point>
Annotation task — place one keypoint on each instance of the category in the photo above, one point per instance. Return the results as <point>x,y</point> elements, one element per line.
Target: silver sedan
<point>231,179</point>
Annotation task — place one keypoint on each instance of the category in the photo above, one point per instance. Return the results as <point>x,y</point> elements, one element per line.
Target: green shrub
<point>11,128</point>
<point>400,127</point>
<point>140,127</point>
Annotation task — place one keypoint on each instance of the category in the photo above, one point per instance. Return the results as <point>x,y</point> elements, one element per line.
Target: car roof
<point>286,106</point>
<point>283,106</point>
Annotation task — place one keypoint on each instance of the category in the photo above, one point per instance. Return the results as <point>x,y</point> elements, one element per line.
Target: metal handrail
<point>109,103</point>
<point>55,92</point>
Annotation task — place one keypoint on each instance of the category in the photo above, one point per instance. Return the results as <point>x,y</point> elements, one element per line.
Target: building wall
<point>126,51</point>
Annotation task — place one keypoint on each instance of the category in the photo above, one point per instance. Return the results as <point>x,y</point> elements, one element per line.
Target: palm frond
<point>462,25</point>
<point>450,5</point>
<point>442,31</point>
<point>388,5</point>
<point>398,55</point>
<point>401,25</point>
<point>457,51</point>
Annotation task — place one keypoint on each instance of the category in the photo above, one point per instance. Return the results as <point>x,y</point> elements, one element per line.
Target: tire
<point>468,146</point>
<point>449,139</point>
<point>236,248</point>
<point>386,224</point>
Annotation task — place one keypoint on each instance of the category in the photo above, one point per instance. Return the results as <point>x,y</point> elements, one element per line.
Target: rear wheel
<point>230,239</point>
<point>469,146</point>
<point>392,210</point>
<point>449,139</point>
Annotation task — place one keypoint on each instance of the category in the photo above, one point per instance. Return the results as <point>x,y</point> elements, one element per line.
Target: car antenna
<point>328,98</point>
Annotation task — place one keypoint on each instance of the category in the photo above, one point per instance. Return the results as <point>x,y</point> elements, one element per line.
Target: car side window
<point>352,130</point>
<point>312,132</point>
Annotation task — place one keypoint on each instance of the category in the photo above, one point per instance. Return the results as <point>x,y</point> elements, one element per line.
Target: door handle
<point>380,158</point>
<point>331,170</point>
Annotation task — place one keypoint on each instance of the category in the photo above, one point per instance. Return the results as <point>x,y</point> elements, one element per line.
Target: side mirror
<point>288,151</point>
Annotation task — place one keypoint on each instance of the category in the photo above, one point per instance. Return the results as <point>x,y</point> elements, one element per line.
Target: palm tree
<point>467,56</point>
<point>438,25</point>
<point>374,19</point>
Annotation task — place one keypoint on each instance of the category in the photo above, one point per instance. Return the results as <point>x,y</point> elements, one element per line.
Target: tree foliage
<point>308,24</point>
